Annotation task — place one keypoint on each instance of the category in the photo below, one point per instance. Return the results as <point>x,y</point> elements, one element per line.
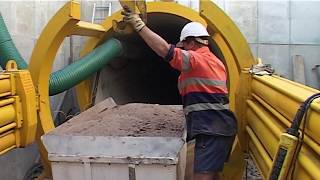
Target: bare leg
<point>211,176</point>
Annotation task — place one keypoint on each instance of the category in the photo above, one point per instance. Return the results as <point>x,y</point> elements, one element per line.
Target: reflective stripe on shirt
<point>185,60</point>
<point>204,106</point>
<point>200,81</point>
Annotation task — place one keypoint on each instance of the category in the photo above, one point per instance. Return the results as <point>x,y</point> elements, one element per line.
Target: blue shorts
<point>211,152</point>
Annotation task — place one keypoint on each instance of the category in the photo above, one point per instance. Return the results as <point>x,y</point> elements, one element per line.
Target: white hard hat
<point>193,29</point>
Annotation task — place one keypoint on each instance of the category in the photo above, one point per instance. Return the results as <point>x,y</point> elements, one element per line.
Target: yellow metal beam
<point>83,28</point>
<point>4,76</point>
<point>5,102</point>
<point>238,59</point>
<point>44,52</point>
<point>313,145</point>
<point>26,107</point>
<point>8,142</point>
<point>7,127</point>
<point>259,146</point>
<point>233,77</point>
<point>286,98</point>
<point>264,131</point>
<point>257,159</point>
<point>5,85</point>
<point>8,114</point>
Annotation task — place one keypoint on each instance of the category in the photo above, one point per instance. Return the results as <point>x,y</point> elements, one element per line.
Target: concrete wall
<point>279,30</point>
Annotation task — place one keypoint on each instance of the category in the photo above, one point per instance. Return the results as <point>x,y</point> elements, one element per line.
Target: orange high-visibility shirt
<point>203,87</point>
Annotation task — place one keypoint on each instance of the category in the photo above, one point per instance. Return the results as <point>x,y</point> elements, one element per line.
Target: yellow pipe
<point>5,94</point>
<point>5,86</point>
<point>286,103</point>
<point>7,115</point>
<point>6,102</point>
<point>4,76</point>
<point>272,110</point>
<point>306,157</point>
<point>7,140</point>
<point>310,165</point>
<point>7,127</point>
<point>313,145</point>
<point>289,89</point>
<point>296,84</point>
<point>265,118</point>
<point>263,132</point>
<point>266,158</point>
<point>7,150</point>
<point>257,159</point>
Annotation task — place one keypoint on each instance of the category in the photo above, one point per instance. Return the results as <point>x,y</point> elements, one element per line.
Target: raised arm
<point>154,41</point>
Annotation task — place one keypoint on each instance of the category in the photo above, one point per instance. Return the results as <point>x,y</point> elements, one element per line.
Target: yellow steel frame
<point>224,32</point>
<point>66,22</point>
<point>17,108</point>
<point>84,88</point>
<point>229,39</point>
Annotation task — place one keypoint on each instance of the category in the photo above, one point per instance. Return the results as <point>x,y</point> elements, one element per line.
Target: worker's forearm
<point>154,41</point>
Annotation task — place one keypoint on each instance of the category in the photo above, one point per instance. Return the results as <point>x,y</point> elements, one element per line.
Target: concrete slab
<point>305,22</point>
<point>277,56</point>
<point>305,31</point>
<point>244,14</point>
<point>273,24</point>
<point>254,49</point>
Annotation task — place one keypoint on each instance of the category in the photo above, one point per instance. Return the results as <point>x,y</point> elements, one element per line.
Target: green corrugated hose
<point>86,66</point>
<point>8,50</point>
<point>69,76</point>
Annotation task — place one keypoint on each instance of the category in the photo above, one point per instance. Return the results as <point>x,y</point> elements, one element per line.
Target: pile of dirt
<point>133,119</point>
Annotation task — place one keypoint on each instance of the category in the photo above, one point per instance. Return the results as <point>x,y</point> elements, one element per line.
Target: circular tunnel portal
<point>140,75</point>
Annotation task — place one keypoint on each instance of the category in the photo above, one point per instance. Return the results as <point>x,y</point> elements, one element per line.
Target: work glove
<point>133,19</point>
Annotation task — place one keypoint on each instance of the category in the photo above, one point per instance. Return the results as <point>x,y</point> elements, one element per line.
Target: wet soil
<point>135,119</point>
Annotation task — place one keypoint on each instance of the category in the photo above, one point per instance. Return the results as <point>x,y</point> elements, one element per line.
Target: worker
<point>202,85</point>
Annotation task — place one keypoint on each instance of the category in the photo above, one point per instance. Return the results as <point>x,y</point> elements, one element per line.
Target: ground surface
<point>251,171</point>
<point>133,119</point>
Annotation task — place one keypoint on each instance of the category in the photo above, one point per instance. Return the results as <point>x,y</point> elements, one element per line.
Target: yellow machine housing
<point>18,108</point>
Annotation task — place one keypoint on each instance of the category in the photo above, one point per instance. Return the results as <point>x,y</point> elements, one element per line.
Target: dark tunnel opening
<point>140,75</point>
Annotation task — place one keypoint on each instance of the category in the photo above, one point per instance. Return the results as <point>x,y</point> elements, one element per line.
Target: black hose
<point>294,129</point>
